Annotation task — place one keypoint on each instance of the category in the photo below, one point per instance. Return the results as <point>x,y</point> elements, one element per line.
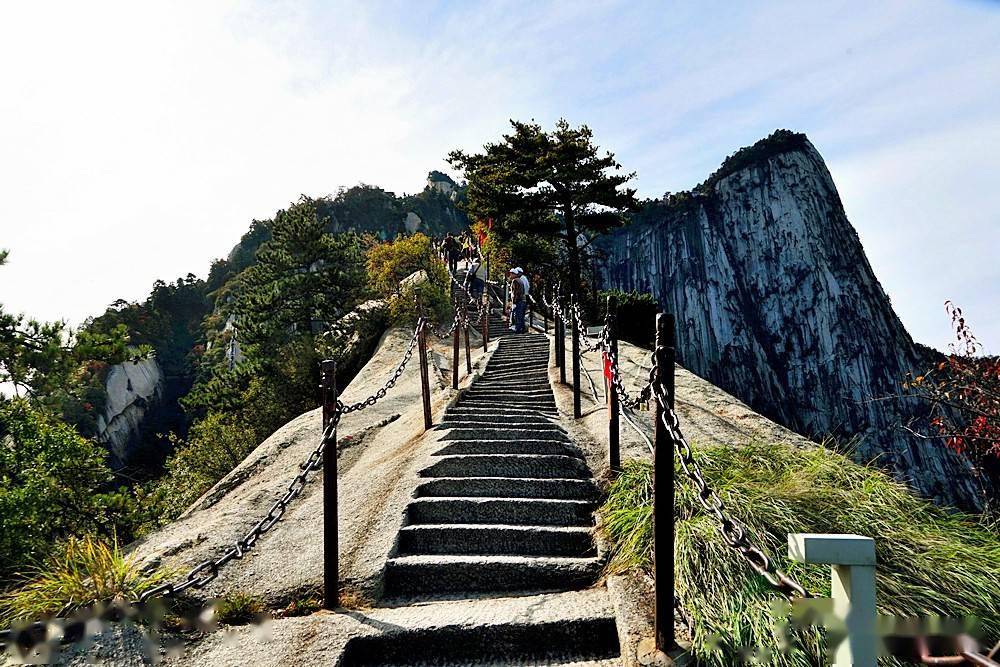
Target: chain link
<point>346,408</point>
<point>645,392</point>
<point>203,573</point>
<point>581,332</point>
<point>733,531</point>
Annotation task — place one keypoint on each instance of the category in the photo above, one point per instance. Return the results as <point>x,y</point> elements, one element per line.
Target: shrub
<point>215,445</point>
<point>636,315</point>
<point>929,561</point>
<point>389,263</point>
<point>84,572</point>
<point>49,476</point>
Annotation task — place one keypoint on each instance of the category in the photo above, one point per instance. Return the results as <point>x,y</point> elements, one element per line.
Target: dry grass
<point>82,573</point>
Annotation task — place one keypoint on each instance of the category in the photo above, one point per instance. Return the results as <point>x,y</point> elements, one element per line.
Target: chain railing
<point>733,531</point>
<point>205,572</point>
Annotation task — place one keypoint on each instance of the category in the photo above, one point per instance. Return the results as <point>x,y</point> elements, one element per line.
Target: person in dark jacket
<point>518,301</point>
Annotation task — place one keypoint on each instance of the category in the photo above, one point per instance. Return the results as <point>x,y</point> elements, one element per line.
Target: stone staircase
<point>497,323</point>
<point>506,509</point>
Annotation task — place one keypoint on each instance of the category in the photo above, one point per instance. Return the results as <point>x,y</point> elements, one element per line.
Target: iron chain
<point>391,382</point>
<point>205,572</point>
<point>733,531</point>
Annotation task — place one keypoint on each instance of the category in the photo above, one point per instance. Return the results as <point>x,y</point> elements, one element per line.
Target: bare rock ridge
<point>777,304</point>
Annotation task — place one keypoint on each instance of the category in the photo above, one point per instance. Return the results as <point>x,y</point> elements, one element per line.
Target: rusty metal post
<point>484,325</point>
<point>669,378</point>
<point>663,495</point>
<point>614,444</point>
<point>425,383</point>
<point>454,345</point>
<point>574,331</point>
<point>561,345</point>
<point>468,354</point>
<point>331,555</point>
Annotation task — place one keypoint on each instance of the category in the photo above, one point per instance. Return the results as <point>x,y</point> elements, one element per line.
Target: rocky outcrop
<point>777,304</point>
<point>133,388</point>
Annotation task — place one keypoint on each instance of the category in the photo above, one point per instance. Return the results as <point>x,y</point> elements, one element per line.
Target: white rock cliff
<point>132,386</point>
<point>777,304</point>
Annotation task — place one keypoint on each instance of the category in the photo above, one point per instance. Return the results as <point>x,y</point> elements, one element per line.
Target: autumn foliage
<point>962,391</point>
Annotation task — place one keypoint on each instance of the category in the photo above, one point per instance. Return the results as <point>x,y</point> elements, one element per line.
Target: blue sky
<point>139,140</point>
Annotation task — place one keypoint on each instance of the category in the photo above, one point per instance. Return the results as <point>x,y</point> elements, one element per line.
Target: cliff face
<point>132,387</point>
<point>777,304</point>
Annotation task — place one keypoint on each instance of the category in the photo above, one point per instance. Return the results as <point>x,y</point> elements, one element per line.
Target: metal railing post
<point>331,555</point>
<point>561,343</point>
<point>454,344</point>
<point>425,385</point>
<point>574,330</point>
<point>485,324</point>
<point>468,354</point>
<point>663,495</point>
<point>614,445</point>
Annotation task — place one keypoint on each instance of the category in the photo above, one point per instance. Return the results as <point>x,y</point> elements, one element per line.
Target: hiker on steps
<point>474,278</point>
<point>453,250</point>
<point>518,299</point>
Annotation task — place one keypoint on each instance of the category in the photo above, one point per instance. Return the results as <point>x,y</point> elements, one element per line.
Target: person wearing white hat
<point>518,300</point>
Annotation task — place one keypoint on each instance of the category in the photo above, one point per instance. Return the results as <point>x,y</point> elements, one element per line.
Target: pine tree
<point>548,183</point>
<point>303,276</point>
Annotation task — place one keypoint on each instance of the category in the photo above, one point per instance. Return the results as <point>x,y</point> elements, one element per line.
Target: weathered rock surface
<point>132,387</point>
<point>777,304</point>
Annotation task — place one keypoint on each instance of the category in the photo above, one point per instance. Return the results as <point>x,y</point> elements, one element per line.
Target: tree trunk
<point>574,251</point>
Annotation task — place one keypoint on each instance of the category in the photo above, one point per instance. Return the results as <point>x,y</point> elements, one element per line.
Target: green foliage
<point>636,315</point>
<point>239,608</point>
<point>929,561</point>
<point>548,184</point>
<point>389,263</point>
<point>82,573</point>
<point>50,479</point>
<point>303,277</point>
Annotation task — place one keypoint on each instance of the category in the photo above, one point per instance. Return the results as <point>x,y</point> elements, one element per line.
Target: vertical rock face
<point>777,304</point>
<point>132,387</point>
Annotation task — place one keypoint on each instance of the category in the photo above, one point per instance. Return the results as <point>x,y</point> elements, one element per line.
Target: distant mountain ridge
<point>370,209</point>
<point>777,304</point>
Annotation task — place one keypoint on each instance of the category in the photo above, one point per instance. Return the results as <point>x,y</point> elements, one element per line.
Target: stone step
<point>510,376</point>
<point>516,362</point>
<point>519,383</point>
<point>522,446</point>
<point>538,466</point>
<point>518,511</point>
<point>489,405</point>
<point>508,397</point>
<point>500,433</point>
<point>572,628</point>
<point>437,574</point>
<point>495,411</point>
<point>508,487</point>
<point>513,391</point>
<point>496,540</point>
<point>451,420</point>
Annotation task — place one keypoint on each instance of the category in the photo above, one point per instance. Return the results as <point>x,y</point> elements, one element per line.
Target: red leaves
<point>963,391</point>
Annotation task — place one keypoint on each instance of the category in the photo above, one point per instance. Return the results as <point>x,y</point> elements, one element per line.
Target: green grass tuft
<point>930,561</point>
<point>83,572</point>
<point>239,608</point>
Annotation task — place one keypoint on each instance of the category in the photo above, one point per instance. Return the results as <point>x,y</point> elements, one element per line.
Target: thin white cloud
<point>139,140</point>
